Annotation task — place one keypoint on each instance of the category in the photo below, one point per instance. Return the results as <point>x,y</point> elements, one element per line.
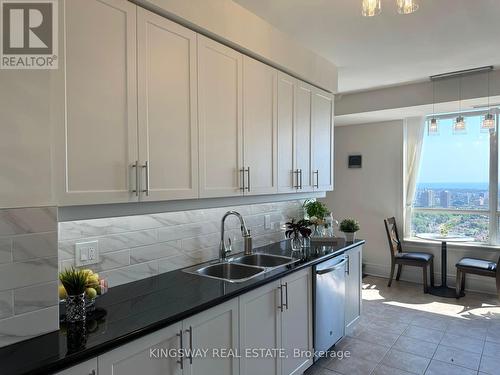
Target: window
<point>452,194</point>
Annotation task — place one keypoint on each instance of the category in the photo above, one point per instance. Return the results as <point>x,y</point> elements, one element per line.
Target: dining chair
<point>400,258</point>
<point>477,267</point>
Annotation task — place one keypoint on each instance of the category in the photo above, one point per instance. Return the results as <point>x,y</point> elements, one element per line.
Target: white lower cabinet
<point>353,287</point>
<point>152,355</point>
<point>277,316</point>
<point>86,368</point>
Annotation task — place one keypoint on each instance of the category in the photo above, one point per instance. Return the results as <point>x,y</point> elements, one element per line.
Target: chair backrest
<point>393,236</point>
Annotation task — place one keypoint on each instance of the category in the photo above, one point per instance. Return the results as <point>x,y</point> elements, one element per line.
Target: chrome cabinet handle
<point>316,172</point>
<point>348,268</point>
<point>146,190</point>
<point>286,295</point>
<point>190,330</point>
<point>242,180</point>
<point>295,178</point>
<point>248,180</point>
<point>181,360</point>
<point>136,165</point>
<point>300,173</point>
<point>280,307</point>
<point>92,372</point>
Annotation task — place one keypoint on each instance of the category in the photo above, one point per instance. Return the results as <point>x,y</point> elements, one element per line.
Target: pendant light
<point>370,8</point>
<point>433,126</point>
<point>459,127</point>
<point>488,122</point>
<point>406,6</point>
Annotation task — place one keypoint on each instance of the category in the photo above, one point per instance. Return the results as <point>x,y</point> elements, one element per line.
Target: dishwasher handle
<point>331,269</point>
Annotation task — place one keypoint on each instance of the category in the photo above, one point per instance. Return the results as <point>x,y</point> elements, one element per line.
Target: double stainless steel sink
<point>242,268</point>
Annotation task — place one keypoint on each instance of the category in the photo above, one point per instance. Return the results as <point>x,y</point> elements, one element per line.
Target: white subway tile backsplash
<point>27,220</point>
<point>32,246</point>
<point>163,242</point>
<point>21,274</point>
<point>35,297</point>
<point>5,250</point>
<point>6,308</point>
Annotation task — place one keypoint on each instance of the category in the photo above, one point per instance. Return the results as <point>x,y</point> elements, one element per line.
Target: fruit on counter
<point>90,293</point>
<point>62,292</point>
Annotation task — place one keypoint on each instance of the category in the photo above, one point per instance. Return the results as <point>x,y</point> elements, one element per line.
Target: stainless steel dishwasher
<point>329,302</point>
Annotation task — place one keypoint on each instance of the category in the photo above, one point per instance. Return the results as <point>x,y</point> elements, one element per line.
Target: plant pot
<point>75,308</point>
<point>350,236</point>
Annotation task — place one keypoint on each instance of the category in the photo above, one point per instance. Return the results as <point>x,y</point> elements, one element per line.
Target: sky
<point>449,157</point>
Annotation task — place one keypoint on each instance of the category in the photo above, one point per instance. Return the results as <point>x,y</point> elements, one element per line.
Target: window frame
<point>493,210</point>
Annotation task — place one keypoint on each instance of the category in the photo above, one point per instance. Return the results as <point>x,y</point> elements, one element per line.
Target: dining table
<point>443,290</point>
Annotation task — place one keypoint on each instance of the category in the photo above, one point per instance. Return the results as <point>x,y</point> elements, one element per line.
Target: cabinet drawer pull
<point>286,295</point>
<point>92,372</point>
<point>280,306</point>
<point>242,179</point>
<point>181,360</point>
<point>295,178</point>
<point>300,174</point>
<point>316,172</point>
<point>190,330</point>
<point>135,166</point>
<point>146,167</point>
<point>248,180</point>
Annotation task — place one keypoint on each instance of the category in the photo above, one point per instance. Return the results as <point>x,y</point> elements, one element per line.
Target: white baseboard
<point>473,283</point>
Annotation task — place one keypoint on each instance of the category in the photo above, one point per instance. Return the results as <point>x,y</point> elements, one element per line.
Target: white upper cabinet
<point>287,174</point>
<point>97,141</point>
<point>168,131</point>
<point>322,140</point>
<point>303,147</point>
<point>220,119</point>
<point>259,127</point>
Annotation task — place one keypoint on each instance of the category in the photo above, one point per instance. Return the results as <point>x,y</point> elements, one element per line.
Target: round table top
<point>452,237</point>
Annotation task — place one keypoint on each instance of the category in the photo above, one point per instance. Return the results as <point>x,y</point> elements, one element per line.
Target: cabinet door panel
<point>303,134</point>
<point>168,133</point>
<point>297,321</point>
<point>213,329</point>
<point>86,368</point>
<point>322,140</point>
<point>286,119</point>
<point>259,126</point>
<point>147,355</point>
<point>220,119</point>
<point>260,328</point>
<point>353,285</point>
<point>99,139</point>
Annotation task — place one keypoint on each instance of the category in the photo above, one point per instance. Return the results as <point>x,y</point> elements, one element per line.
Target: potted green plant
<point>316,213</point>
<point>75,283</point>
<point>297,229</point>
<point>349,227</point>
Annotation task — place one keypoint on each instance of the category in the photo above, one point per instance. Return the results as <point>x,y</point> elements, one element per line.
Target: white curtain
<point>413,138</point>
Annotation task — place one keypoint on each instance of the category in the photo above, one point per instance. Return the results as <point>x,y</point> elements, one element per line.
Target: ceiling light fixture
<point>407,6</point>
<point>370,8</point>
<point>489,120</point>
<point>433,126</point>
<point>459,127</point>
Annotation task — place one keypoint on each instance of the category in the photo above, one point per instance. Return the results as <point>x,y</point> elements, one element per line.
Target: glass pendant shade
<point>433,127</point>
<point>370,8</point>
<point>488,122</point>
<point>459,126</point>
<point>406,6</point>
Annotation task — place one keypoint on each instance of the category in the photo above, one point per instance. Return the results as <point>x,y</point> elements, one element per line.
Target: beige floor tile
<point>490,365</point>
<point>491,349</point>
<point>462,342</point>
<point>386,370</point>
<point>366,350</point>
<point>424,334</point>
<point>406,361</point>
<point>351,366</point>
<point>379,337</point>
<point>443,368</point>
<point>415,346</point>
<point>317,370</point>
<point>458,357</point>
<point>436,323</point>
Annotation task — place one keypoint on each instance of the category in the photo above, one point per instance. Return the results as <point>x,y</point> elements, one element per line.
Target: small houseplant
<point>349,227</point>
<point>296,229</point>
<point>74,282</point>
<point>317,212</point>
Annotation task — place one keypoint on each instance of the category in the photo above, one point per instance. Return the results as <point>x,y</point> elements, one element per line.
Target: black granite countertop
<point>132,310</point>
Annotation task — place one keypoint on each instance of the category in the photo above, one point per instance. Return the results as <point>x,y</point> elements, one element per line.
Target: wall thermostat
<point>355,161</point>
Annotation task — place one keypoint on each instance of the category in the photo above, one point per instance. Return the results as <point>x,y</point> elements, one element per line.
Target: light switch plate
<point>267,221</point>
<point>86,253</point>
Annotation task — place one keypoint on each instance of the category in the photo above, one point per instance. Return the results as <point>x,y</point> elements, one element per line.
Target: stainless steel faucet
<point>247,238</point>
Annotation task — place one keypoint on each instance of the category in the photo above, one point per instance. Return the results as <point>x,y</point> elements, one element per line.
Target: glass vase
<point>296,244</point>
<point>75,308</point>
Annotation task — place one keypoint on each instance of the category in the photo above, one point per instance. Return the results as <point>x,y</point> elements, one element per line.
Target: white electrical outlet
<point>86,253</point>
<point>267,221</point>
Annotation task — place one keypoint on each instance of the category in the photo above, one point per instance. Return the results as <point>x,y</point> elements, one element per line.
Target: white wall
<point>375,192</point>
